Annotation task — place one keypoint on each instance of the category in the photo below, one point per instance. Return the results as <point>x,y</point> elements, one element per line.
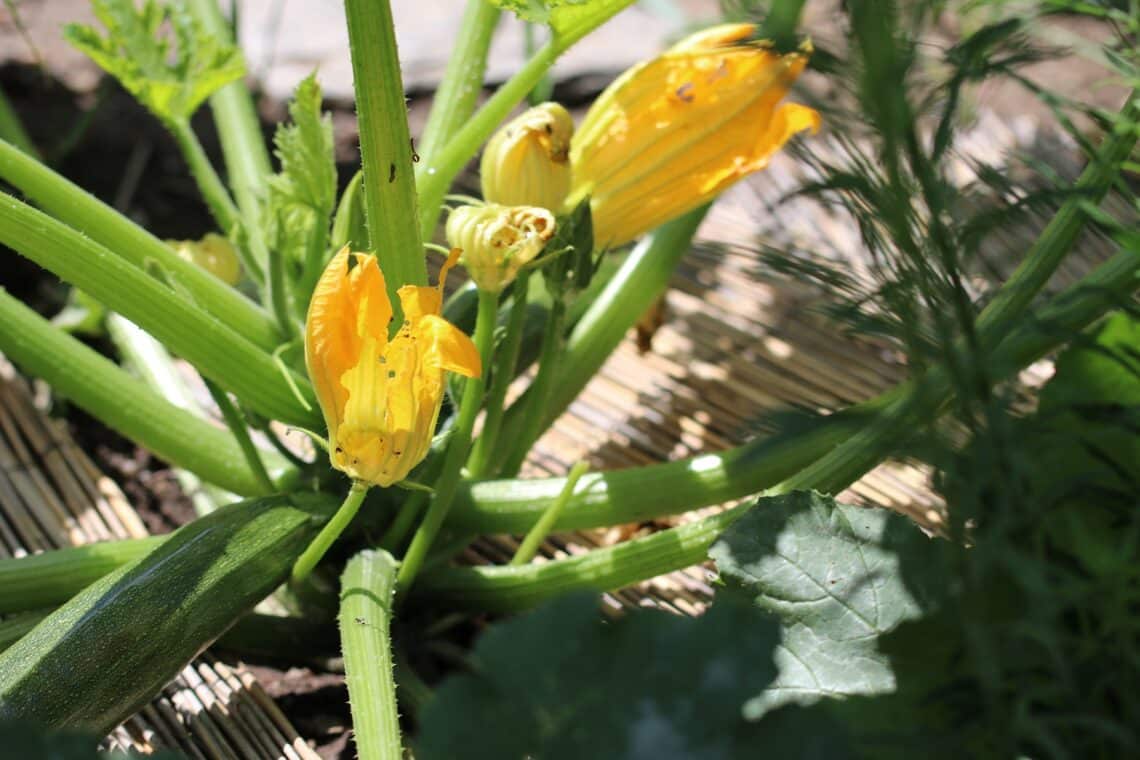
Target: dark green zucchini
<point>104,654</point>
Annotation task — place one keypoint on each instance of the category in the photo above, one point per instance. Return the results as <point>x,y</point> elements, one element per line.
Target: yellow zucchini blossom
<point>497,240</point>
<point>380,396</point>
<point>214,253</point>
<point>526,162</point>
<point>673,132</point>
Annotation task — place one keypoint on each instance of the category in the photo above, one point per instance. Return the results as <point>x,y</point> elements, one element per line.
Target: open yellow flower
<point>673,132</point>
<point>380,396</point>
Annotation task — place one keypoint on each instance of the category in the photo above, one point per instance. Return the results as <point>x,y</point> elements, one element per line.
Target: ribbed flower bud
<point>214,253</point>
<point>525,163</point>
<point>672,133</point>
<point>497,240</point>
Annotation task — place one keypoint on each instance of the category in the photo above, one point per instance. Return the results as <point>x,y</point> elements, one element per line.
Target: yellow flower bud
<point>525,162</point>
<point>497,241</point>
<point>214,253</point>
<point>673,132</point>
<point>380,396</point>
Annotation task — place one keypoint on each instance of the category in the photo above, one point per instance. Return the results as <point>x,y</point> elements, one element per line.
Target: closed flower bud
<point>214,253</point>
<point>498,240</point>
<point>525,162</point>
<point>380,396</point>
<point>673,132</point>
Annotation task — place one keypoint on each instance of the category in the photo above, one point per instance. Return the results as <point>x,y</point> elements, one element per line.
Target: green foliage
<point>301,197</point>
<point>830,574</point>
<point>170,72</point>
<point>562,683</point>
<point>1018,637</point>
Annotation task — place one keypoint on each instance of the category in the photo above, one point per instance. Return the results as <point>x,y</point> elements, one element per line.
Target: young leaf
<point>170,72</point>
<point>302,195</point>
<point>562,683</point>
<point>830,573</point>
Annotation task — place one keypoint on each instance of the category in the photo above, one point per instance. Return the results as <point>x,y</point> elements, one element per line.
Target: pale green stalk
<point>533,540</point>
<point>217,198</point>
<point>217,351</point>
<point>126,404</point>
<point>454,100</point>
<point>479,463</point>
<point>385,145</point>
<point>508,588</point>
<point>85,213</point>
<point>457,447</point>
<point>367,591</point>
<point>331,531</point>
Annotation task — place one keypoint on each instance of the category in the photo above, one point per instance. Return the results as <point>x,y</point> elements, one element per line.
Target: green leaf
<point>160,54</point>
<point>830,574</point>
<point>561,682</point>
<point>302,195</point>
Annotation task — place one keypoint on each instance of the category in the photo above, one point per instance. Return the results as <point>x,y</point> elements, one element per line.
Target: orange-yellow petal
<point>349,303</point>
<point>673,132</point>
<point>448,347</point>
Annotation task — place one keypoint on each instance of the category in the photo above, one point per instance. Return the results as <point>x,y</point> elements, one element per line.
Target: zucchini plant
<point>835,629</point>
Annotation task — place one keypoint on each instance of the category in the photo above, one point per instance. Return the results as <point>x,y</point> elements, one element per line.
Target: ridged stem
<point>243,146</point>
<point>506,360</point>
<point>385,145</point>
<point>331,531</point>
<point>214,193</point>
<point>640,281</point>
<point>508,588</point>
<point>82,211</point>
<point>124,403</point>
<point>366,604</point>
<point>186,329</point>
<point>454,100</point>
<point>457,447</point>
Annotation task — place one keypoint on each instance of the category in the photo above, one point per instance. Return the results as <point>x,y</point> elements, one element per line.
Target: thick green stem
<point>640,281</point>
<point>533,406</point>
<point>385,145</point>
<point>85,213</point>
<point>457,447</point>
<point>507,588</point>
<point>331,532</point>
<point>247,158</point>
<point>126,404</point>
<point>506,360</point>
<point>217,351</point>
<point>366,603</point>
<point>436,174</point>
<point>530,543</point>
<point>217,198</point>
<point>51,578</point>
<point>454,101</point>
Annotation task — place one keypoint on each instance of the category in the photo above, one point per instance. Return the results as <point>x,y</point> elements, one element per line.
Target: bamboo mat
<point>53,496</point>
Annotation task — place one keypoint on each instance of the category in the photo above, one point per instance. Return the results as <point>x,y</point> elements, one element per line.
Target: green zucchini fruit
<point>100,657</point>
